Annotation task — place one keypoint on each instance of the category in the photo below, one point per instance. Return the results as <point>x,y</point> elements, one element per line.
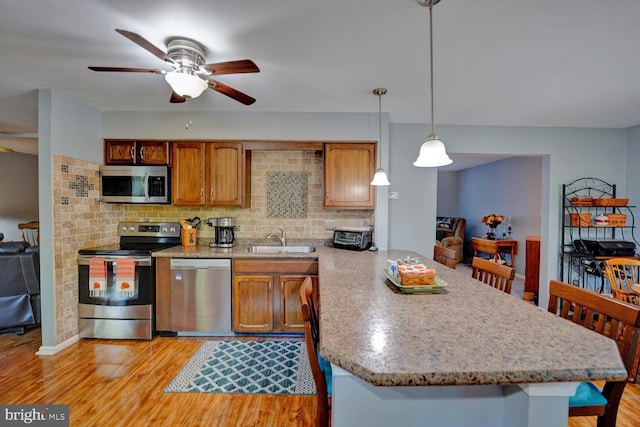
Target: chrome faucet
<point>282,238</point>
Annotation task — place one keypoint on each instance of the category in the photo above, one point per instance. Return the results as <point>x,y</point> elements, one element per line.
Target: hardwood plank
<point>121,383</point>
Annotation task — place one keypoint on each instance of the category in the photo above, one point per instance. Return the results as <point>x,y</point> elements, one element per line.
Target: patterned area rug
<point>255,367</point>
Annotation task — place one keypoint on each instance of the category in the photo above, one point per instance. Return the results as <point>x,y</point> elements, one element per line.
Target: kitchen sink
<point>270,249</point>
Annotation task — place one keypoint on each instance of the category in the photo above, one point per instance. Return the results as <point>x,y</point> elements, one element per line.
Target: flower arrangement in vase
<point>492,221</point>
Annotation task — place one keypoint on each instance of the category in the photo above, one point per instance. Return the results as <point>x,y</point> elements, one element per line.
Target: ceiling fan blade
<point>146,44</point>
<point>176,99</point>
<point>233,67</point>
<point>230,92</point>
<point>129,70</point>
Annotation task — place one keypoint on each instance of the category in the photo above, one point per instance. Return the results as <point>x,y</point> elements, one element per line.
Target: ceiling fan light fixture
<point>185,83</point>
<point>432,153</point>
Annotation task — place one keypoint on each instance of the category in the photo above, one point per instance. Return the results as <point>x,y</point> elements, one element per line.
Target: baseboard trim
<point>47,350</point>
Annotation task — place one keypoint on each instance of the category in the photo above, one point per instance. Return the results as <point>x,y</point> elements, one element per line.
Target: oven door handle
<point>140,261</point>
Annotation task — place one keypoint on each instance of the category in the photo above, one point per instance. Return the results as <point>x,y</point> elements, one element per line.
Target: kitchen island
<point>469,356</point>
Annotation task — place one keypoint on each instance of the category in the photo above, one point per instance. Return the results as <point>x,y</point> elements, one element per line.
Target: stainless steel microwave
<point>135,184</point>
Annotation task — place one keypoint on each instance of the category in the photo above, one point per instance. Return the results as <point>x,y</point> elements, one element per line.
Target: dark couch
<point>19,286</point>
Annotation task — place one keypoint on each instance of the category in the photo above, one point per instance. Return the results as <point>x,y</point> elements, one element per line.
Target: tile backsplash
<point>271,172</point>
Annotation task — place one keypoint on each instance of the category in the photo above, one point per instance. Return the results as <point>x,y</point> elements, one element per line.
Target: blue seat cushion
<point>325,367</point>
<point>587,394</point>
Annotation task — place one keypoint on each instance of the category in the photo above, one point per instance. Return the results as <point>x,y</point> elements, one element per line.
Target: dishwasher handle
<point>199,263</point>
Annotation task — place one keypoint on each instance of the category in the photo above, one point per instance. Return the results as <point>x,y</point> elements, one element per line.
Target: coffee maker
<point>224,232</point>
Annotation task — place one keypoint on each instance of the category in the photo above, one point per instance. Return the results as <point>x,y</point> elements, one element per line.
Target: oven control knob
<point>164,229</point>
<point>124,228</point>
<point>132,228</point>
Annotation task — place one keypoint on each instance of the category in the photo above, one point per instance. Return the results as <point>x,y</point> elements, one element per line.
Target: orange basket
<point>610,202</point>
<point>582,201</point>
<point>617,219</point>
<point>415,278</point>
<point>581,220</point>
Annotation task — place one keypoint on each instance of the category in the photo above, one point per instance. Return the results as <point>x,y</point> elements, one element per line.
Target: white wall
<point>511,187</point>
<point>70,128</point>
<point>633,171</point>
<point>447,202</point>
<point>18,192</point>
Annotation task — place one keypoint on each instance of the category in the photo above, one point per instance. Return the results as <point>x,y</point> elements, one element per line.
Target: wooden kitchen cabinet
<point>126,152</point>
<point>188,174</point>
<point>252,303</point>
<point>348,170</point>
<point>211,174</point>
<point>228,175</point>
<point>266,294</point>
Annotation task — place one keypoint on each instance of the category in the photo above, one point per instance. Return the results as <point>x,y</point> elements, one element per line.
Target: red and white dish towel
<point>125,277</point>
<point>97,278</point>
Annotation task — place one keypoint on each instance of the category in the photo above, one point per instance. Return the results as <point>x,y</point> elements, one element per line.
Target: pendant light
<point>432,152</point>
<point>380,177</point>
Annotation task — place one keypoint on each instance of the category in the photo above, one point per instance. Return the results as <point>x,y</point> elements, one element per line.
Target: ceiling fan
<point>190,76</point>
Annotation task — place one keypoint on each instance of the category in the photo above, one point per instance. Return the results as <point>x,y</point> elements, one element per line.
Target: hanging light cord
<point>379,127</point>
<point>431,57</point>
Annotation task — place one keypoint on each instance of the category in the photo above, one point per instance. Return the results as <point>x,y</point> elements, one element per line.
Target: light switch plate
<point>329,224</point>
<point>394,195</point>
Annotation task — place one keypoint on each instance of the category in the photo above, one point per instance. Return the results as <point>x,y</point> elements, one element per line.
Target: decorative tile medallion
<point>287,194</point>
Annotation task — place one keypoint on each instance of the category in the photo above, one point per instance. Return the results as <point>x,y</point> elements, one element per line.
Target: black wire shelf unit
<point>577,265</point>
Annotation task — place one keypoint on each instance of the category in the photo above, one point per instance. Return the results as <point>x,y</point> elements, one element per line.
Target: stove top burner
<point>140,239</point>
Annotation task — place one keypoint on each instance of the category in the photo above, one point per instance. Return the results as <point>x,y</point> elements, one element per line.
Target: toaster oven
<point>355,240</point>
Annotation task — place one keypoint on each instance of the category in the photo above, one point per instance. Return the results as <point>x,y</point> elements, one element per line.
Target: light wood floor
<point>120,383</point>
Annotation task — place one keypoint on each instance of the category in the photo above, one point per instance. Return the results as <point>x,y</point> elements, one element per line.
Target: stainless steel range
<point>116,284</point>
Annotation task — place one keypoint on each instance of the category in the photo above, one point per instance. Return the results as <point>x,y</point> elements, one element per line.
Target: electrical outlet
<point>329,224</point>
<point>394,195</point>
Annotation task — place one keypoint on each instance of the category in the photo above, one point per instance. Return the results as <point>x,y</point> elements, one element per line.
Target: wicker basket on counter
<point>582,219</point>
<point>414,278</point>
<point>610,202</point>
<point>616,219</point>
<point>582,201</point>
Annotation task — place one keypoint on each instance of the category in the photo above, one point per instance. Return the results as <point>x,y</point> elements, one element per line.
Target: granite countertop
<point>469,334</point>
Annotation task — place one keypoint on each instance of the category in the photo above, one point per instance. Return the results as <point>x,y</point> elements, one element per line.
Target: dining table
<point>461,354</point>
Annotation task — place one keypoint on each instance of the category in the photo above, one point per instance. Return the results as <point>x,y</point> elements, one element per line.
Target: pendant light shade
<point>380,177</point>
<point>432,152</point>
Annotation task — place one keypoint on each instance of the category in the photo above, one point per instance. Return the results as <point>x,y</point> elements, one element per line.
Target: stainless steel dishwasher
<point>201,296</point>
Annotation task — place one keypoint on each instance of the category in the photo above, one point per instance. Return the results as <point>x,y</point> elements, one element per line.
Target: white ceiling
<point>563,63</point>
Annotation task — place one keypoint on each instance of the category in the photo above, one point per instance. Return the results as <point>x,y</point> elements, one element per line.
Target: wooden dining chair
<point>485,245</point>
<point>446,256</point>
<point>320,368</point>
<point>622,273</point>
<point>612,318</point>
<point>497,275</point>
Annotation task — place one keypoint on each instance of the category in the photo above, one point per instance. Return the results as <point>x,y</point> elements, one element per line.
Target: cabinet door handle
<point>132,153</point>
<point>142,153</point>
